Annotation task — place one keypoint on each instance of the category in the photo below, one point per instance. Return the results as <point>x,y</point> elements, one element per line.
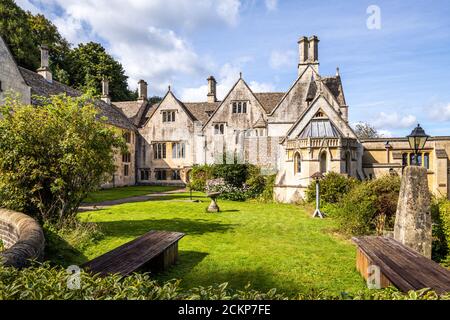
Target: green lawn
<point>268,245</point>
<point>125,192</point>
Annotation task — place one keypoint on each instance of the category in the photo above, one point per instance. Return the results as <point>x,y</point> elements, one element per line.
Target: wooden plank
<point>133,255</point>
<point>405,268</point>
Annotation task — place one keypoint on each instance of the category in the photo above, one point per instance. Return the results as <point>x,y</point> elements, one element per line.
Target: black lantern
<point>417,139</point>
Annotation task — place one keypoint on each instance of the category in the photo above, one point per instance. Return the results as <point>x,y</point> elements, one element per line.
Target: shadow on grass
<point>59,252</point>
<point>127,228</point>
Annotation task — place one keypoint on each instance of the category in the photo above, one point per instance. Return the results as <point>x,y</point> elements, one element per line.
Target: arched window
<point>323,162</point>
<point>297,163</point>
<point>348,163</point>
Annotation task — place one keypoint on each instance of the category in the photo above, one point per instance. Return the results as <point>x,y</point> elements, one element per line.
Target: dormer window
<point>239,106</point>
<point>168,116</point>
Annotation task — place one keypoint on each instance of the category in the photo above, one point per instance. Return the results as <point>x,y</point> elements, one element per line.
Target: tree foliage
<point>82,67</point>
<point>90,63</point>
<point>53,155</point>
<point>365,130</point>
<point>16,31</point>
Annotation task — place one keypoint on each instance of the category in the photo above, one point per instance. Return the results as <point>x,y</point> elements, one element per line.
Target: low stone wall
<point>22,237</point>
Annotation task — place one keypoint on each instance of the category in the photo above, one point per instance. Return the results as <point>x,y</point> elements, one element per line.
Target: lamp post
<point>417,139</point>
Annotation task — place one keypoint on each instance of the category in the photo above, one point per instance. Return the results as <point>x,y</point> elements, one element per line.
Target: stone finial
<point>44,69</point>
<point>413,217</point>
<point>105,91</point>
<point>337,72</point>
<point>142,90</point>
<point>240,75</point>
<point>212,97</point>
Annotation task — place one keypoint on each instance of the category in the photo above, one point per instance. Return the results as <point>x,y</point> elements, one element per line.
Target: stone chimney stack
<point>142,90</point>
<point>212,97</point>
<point>44,70</point>
<point>105,91</point>
<point>308,53</point>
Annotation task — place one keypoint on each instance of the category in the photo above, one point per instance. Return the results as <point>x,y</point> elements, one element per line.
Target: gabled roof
<point>202,110</point>
<point>42,87</point>
<point>334,84</point>
<point>260,123</point>
<point>308,112</point>
<point>226,97</point>
<point>269,100</point>
<point>134,110</point>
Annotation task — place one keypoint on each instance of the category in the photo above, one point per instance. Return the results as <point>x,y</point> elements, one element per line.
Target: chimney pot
<point>212,97</point>
<point>44,70</point>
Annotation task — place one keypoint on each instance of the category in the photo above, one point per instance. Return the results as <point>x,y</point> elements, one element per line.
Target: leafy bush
<point>53,155</point>
<point>50,283</point>
<point>332,188</point>
<point>267,193</point>
<point>440,213</point>
<point>369,207</point>
<point>199,175</point>
<point>239,181</point>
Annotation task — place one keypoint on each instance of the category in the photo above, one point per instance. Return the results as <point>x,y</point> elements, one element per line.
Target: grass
<point>269,245</point>
<point>125,192</point>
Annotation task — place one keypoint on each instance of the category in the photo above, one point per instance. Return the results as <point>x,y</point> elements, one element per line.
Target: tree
<point>44,32</point>
<point>53,155</point>
<point>90,63</point>
<point>16,31</point>
<point>364,130</point>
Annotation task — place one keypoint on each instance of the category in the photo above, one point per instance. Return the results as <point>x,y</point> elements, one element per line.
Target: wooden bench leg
<point>164,260</point>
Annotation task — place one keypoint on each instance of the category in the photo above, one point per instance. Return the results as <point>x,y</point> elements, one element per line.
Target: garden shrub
<point>199,175</point>
<point>369,207</point>
<point>440,213</point>
<point>53,155</point>
<point>267,193</point>
<point>238,181</point>
<point>332,188</point>
<point>50,283</point>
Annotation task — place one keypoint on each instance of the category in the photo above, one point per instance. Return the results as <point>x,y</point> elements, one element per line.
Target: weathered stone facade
<point>11,79</point>
<point>22,238</point>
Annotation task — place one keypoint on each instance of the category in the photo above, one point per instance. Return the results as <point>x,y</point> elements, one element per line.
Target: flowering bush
<point>226,190</point>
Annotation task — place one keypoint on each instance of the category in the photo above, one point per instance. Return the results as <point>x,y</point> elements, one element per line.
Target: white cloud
<point>28,6</point>
<point>271,4</point>
<point>385,133</point>
<point>281,59</point>
<point>440,112</point>
<point>145,36</point>
<point>393,121</point>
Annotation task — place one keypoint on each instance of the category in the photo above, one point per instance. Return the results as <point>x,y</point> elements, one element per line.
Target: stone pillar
<point>413,217</point>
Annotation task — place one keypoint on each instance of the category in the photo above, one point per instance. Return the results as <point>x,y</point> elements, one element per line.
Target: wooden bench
<point>399,265</point>
<point>154,251</point>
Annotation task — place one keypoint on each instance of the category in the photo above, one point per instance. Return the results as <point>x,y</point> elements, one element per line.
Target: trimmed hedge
<point>42,282</point>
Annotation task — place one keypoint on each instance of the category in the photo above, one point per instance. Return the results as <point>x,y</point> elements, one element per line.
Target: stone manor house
<point>294,134</point>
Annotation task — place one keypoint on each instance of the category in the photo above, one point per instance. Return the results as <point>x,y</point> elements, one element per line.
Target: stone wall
<point>22,238</point>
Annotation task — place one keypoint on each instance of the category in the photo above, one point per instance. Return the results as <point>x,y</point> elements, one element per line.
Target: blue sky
<point>393,77</point>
